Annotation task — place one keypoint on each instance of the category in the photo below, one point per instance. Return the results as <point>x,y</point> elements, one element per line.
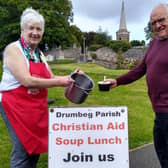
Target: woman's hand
<point>79,71</point>
<point>64,80</point>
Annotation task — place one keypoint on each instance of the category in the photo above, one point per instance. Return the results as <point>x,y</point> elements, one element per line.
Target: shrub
<point>119,45</point>
<point>93,55</point>
<point>94,47</point>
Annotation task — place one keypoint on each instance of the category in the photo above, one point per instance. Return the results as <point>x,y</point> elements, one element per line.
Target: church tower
<point>122,33</point>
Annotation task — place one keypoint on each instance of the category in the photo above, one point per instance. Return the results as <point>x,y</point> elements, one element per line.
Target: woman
<point>25,78</point>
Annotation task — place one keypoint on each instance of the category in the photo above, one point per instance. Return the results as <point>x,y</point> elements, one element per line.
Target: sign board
<point>88,137</point>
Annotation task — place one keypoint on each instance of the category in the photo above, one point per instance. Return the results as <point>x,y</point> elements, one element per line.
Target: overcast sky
<point>90,15</point>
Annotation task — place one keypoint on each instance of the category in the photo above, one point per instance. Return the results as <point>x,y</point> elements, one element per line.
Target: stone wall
<point>108,58</point>
<point>135,52</point>
<point>57,53</point>
<point>104,56</point>
<point>73,53</point>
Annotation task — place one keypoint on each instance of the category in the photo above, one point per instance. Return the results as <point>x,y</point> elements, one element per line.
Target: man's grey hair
<point>166,7</point>
<point>32,15</point>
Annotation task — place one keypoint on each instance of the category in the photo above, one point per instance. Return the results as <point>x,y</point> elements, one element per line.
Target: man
<point>155,66</point>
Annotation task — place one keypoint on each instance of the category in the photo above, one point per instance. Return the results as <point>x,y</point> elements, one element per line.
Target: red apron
<point>27,111</point>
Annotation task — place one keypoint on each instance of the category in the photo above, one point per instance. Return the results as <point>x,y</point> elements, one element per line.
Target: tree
<point>77,34</point>
<point>90,37</point>
<point>149,32</point>
<point>57,13</point>
<point>102,38</point>
<point>97,38</point>
<point>137,43</point>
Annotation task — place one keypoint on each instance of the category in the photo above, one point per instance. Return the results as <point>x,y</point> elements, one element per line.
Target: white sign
<point>88,137</point>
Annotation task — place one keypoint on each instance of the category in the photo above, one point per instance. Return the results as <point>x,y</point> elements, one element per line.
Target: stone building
<point>122,33</point>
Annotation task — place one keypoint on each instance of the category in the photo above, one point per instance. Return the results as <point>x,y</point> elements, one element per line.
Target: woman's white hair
<point>32,15</point>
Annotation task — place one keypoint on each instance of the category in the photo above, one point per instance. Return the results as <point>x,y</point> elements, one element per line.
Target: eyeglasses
<point>160,21</point>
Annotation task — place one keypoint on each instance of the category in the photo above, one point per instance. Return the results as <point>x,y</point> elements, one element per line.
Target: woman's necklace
<point>30,54</point>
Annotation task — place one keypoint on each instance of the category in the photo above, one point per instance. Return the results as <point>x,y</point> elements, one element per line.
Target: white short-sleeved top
<point>8,81</point>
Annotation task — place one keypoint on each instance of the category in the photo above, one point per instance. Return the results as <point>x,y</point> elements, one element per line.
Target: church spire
<point>122,33</point>
<point>122,18</point>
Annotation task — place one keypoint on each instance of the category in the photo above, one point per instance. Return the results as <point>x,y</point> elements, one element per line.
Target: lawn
<point>134,96</point>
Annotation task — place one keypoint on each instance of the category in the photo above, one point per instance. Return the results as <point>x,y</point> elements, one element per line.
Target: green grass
<point>134,96</point>
<point>62,61</point>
